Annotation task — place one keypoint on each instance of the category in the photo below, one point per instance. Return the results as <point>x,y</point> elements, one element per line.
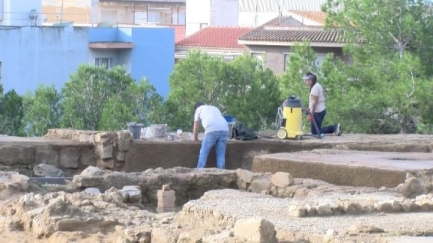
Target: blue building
<point>49,55</point>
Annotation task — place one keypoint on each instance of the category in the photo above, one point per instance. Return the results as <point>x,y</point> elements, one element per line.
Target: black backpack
<point>241,132</point>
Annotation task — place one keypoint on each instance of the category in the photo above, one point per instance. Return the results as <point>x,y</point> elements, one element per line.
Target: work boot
<point>338,130</point>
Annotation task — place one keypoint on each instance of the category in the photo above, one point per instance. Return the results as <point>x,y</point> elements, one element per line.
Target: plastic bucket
<point>135,129</point>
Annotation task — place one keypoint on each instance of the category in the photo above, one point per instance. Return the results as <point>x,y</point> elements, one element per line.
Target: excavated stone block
<point>255,230</point>
<point>282,179</point>
<point>259,185</point>
<point>17,154</point>
<point>46,155</point>
<point>166,199</point>
<point>69,158</point>
<point>104,151</point>
<point>124,141</point>
<point>120,156</point>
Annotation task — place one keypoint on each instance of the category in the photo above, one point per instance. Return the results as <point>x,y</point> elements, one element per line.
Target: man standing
<point>216,133</point>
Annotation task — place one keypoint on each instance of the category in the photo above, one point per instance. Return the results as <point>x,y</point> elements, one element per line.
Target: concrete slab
<point>342,167</point>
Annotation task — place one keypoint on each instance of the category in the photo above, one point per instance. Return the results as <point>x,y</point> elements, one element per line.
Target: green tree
<point>145,102</point>
<point>199,77</point>
<point>42,110</point>
<point>301,60</point>
<point>88,91</point>
<point>253,92</point>
<point>116,113</point>
<point>390,45</point>
<point>11,114</point>
<point>242,88</point>
<point>138,103</point>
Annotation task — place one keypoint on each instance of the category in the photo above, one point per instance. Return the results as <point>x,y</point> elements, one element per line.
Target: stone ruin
<point>209,206</point>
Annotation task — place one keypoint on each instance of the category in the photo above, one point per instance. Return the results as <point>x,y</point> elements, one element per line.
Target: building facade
<point>20,12</point>
<point>272,42</point>
<point>144,12</point>
<point>30,56</point>
<point>242,13</point>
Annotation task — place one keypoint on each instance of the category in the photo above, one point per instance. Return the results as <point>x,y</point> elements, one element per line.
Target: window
<point>109,16</point>
<point>106,62</point>
<point>203,25</point>
<point>154,17</point>
<point>260,56</point>
<point>320,57</point>
<point>286,61</point>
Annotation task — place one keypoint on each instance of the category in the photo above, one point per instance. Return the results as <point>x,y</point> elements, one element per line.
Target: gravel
<point>237,204</point>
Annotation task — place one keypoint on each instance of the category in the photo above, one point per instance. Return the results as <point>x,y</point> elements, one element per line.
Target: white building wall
<point>244,13</point>
<point>224,12</point>
<point>276,5</point>
<point>251,19</point>
<point>198,14</point>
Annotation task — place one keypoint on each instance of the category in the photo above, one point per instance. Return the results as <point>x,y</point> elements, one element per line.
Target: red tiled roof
<point>215,37</point>
<point>275,31</point>
<point>179,32</point>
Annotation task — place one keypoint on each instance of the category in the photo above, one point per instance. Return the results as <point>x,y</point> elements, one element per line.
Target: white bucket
<point>156,131</point>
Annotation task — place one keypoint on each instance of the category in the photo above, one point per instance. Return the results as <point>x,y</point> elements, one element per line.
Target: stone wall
<point>119,151</point>
<point>109,147</point>
<point>69,157</point>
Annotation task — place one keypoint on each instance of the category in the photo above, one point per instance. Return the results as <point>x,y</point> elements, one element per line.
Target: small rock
<point>93,190</point>
<point>360,228</point>
<point>163,235</point>
<point>132,194</point>
<point>412,187</point>
<point>324,210</point>
<point>194,236</point>
<point>297,211</point>
<point>92,171</point>
<point>331,232</point>
<point>45,170</point>
<point>21,180</point>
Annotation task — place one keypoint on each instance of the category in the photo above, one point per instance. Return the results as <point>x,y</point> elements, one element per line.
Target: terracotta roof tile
<point>179,32</point>
<point>215,37</point>
<point>275,31</point>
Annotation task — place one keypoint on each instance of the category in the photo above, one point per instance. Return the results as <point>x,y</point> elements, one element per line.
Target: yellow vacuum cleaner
<point>289,120</point>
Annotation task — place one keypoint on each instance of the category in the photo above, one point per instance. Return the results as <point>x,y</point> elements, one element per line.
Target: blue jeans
<point>319,117</point>
<point>218,138</point>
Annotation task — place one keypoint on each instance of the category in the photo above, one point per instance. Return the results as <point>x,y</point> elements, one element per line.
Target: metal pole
<point>61,13</point>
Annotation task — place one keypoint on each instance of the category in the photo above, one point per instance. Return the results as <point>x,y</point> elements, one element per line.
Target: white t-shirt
<point>211,119</point>
<point>317,90</point>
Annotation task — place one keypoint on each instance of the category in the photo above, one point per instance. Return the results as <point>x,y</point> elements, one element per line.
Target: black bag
<point>241,132</point>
